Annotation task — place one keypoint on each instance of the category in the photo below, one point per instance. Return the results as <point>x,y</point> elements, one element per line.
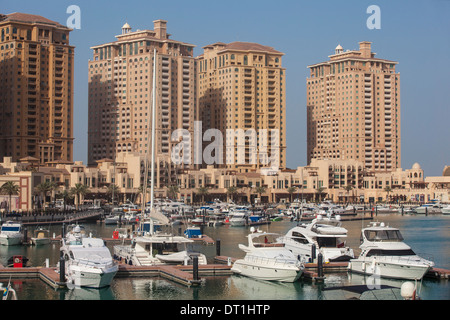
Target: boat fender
<point>363,266</point>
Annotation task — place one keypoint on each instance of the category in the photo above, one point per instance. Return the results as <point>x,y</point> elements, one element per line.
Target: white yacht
<point>11,233</point>
<point>325,233</point>
<point>446,209</point>
<point>384,254</point>
<point>266,259</point>
<point>238,219</point>
<point>41,237</point>
<point>88,262</point>
<point>428,208</point>
<point>151,247</point>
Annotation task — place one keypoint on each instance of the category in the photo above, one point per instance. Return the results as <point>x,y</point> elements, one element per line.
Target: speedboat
<point>265,259</point>
<point>428,208</point>
<point>112,219</point>
<point>238,219</point>
<point>325,234</point>
<point>88,262</point>
<point>151,246</point>
<point>11,233</point>
<point>41,237</point>
<point>446,209</point>
<point>384,254</point>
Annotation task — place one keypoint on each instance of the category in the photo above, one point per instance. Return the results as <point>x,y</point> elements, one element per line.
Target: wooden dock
<point>184,274</point>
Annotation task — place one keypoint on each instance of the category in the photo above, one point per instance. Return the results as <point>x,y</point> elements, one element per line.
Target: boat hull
<point>91,277</point>
<point>264,272</point>
<point>40,241</point>
<point>10,241</point>
<point>388,269</point>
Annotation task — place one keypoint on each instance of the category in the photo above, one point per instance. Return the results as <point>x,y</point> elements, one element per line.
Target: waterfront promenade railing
<point>53,216</point>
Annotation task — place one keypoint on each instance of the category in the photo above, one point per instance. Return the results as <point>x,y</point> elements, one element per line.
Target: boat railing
<point>401,259</point>
<point>271,261</point>
<point>93,264</point>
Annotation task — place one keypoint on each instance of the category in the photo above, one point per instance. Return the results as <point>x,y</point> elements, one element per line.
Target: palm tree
<point>65,195</point>
<point>319,192</point>
<point>203,191</point>
<point>260,190</point>
<point>173,191</point>
<point>291,190</point>
<point>79,190</point>
<point>232,191</point>
<point>388,190</point>
<point>112,189</point>
<point>10,189</point>
<point>44,188</point>
<point>348,188</point>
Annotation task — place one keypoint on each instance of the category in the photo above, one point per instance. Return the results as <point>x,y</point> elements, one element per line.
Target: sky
<point>414,33</point>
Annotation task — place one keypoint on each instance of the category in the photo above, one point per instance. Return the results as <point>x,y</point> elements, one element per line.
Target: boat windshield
<point>13,229</point>
<point>327,242</point>
<point>380,252</point>
<point>383,235</point>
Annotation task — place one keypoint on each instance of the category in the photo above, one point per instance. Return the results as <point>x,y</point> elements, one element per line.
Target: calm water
<point>428,236</point>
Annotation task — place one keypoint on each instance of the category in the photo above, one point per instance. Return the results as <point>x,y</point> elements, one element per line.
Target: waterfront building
<point>120,96</point>
<point>353,109</point>
<point>36,88</point>
<point>337,180</point>
<point>242,86</point>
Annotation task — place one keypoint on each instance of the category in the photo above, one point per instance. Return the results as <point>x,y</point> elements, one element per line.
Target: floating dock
<point>184,274</point>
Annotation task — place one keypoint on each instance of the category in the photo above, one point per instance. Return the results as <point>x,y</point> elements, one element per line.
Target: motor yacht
<point>41,237</point>
<point>325,233</point>
<point>384,254</point>
<point>11,233</point>
<point>238,219</point>
<point>428,208</point>
<point>265,259</point>
<point>446,209</point>
<point>88,262</point>
<point>153,246</point>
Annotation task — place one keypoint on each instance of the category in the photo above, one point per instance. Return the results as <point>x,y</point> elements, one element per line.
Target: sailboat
<point>151,246</point>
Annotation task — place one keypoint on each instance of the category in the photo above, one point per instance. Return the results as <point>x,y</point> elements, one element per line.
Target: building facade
<point>242,86</point>
<point>353,109</point>
<point>36,88</point>
<point>120,96</point>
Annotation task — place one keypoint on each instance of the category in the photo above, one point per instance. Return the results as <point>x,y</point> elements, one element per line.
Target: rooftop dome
<point>416,166</point>
<point>126,26</point>
<point>446,172</point>
<point>339,49</point>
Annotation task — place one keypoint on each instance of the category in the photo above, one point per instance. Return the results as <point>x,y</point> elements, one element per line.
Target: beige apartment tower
<point>36,89</point>
<point>120,95</point>
<point>353,109</point>
<point>242,86</point>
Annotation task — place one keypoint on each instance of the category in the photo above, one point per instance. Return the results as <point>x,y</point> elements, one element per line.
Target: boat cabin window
<point>298,237</point>
<point>380,252</point>
<point>13,229</point>
<point>383,235</point>
<point>327,242</point>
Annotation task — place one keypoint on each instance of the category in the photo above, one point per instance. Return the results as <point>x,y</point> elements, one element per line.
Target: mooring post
<point>62,268</point>
<point>25,235</point>
<point>313,253</point>
<point>320,265</point>
<point>218,247</point>
<point>195,268</point>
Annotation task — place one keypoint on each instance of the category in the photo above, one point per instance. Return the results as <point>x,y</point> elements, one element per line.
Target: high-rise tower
<point>36,88</point>
<point>353,109</point>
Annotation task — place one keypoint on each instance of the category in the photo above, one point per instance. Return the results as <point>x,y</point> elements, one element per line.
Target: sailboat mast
<point>153,132</point>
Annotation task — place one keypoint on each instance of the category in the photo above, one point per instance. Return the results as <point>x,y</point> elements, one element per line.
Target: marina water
<point>429,237</point>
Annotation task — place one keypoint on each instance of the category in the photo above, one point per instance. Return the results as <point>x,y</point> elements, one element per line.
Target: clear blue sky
<point>414,33</point>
